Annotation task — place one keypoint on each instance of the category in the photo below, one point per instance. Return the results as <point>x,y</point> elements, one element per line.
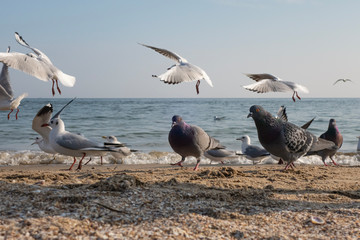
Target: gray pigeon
<point>333,135</point>
<point>252,152</point>
<point>189,140</point>
<point>284,139</point>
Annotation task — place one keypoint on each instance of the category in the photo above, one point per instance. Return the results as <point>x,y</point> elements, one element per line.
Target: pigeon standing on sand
<point>333,135</point>
<point>269,83</point>
<point>190,140</point>
<point>284,139</point>
<point>252,152</point>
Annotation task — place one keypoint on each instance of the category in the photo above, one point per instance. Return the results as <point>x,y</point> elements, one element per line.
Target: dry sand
<point>166,202</point>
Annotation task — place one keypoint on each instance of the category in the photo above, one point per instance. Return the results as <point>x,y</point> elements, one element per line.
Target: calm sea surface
<point>143,124</point>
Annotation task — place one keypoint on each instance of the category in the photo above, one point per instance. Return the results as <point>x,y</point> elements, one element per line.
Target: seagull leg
<point>197,164</point>
<point>72,164</point>
<point>293,96</point>
<point>9,113</point>
<point>297,95</point>
<point>17,114</point>
<point>52,89</point>
<point>197,86</point>
<point>57,86</point>
<point>87,161</point>
<point>179,163</point>
<point>79,166</point>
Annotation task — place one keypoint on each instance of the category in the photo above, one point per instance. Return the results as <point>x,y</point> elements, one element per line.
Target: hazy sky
<point>311,42</point>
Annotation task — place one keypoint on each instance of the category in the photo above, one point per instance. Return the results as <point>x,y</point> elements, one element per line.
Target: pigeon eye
<point>257,110</point>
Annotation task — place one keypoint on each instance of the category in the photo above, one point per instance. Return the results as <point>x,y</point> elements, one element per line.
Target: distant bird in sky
<point>252,152</point>
<point>7,101</point>
<point>71,144</point>
<point>342,80</point>
<point>37,65</point>
<point>190,140</point>
<point>332,134</point>
<point>283,139</point>
<point>269,83</point>
<point>182,71</point>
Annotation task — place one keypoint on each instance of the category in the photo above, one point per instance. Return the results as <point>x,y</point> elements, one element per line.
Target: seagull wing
<point>262,76</point>
<point>167,53</point>
<point>184,72</point>
<point>296,87</point>
<point>75,142</point>
<point>4,94</point>
<point>268,85</point>
<point>22,42</point>
<point>5,80</point>
<point>27,64</point>
<point>43,117</point>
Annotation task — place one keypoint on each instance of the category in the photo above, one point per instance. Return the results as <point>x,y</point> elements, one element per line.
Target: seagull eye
<point>57,123</point>
<point>52,122</point>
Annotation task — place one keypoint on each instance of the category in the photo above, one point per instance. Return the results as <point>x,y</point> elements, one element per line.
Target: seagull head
<point>57,124</point>
<point>244,139</point>
<point>37,140</point>
<point>111,139</point>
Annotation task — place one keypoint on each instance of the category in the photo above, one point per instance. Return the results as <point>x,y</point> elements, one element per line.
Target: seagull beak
<point>238,139</point>
<point>33,143</point>
<point>104,137</point>
<point>249,115</point>
<point>45,125</point>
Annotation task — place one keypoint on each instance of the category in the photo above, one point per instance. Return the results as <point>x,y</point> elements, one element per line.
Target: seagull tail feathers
<point>66,80</point>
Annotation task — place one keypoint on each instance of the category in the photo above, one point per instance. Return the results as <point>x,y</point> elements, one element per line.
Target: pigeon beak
<point>250,115</point>
<point>173,124</point>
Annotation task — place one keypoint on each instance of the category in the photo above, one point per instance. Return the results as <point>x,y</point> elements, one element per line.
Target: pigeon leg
<point>52,89</point>
<point>79,166</point>
<point>197,86</point>
<point>197,164</point>
<point>297,95</point>
<point>72,164</point>
<point>293,96</point>
<point>281,161</point>
<point>87,162</point>
<point>290,164</point>
<point>324,163</point>
<point>179,163</point>
<point>9,113</point>
<point>57,86</point>
<point>17,114</point>
<point>333,161</point>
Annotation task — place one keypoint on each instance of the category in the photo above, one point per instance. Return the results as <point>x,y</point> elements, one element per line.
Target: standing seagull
<point>7,101</point>
<point>332,134</point>
<point>37,65</point>
<point>71,144</point>
<point>252,152</point>
<point>342,80</point>
<point>182,71</point>
<point>40,125</point>
<point>284,139</point>
<point>269,83</point>
<point>190,140</point>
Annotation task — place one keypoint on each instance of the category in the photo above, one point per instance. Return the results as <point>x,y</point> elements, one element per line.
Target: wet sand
<point>166,202</point>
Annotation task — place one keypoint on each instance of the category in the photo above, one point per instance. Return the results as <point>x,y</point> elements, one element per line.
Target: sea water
<point>144,124</point>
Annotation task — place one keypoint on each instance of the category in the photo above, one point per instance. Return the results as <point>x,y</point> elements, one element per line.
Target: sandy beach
<point>166,202</point>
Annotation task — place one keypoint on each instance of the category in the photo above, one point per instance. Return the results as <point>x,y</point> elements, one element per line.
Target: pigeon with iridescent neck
<point>190,140</point>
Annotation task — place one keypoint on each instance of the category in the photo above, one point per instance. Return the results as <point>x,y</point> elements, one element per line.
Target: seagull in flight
<point>269,83</point>
<point>182,71</point>
<point>342,80</point>
<point>7,101</point>
<point>37,65</point>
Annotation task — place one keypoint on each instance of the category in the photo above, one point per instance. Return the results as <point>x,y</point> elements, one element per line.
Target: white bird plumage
<point>182,71</point>
<point>269,83</point>
<point>37,65</point>
<point>7,101</point>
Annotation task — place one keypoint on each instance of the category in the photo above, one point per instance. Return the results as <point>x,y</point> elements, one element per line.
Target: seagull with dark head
<point>284,139</point>
<point>182,71</point>
<point>342,80</point>
<point>190,140</point>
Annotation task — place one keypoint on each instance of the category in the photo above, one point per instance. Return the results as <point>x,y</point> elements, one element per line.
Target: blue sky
<point>310,42</point>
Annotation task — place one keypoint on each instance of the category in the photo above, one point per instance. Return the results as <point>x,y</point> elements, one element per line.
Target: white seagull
<point>182,71</point>
<point>220,155</point>
<point>7,101</point>
<point>269,83</point>
<point>252,152</point>
<point>37,65</point>
<point>71,144</point>
<point>342,80</point>
<point>40,125</point>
